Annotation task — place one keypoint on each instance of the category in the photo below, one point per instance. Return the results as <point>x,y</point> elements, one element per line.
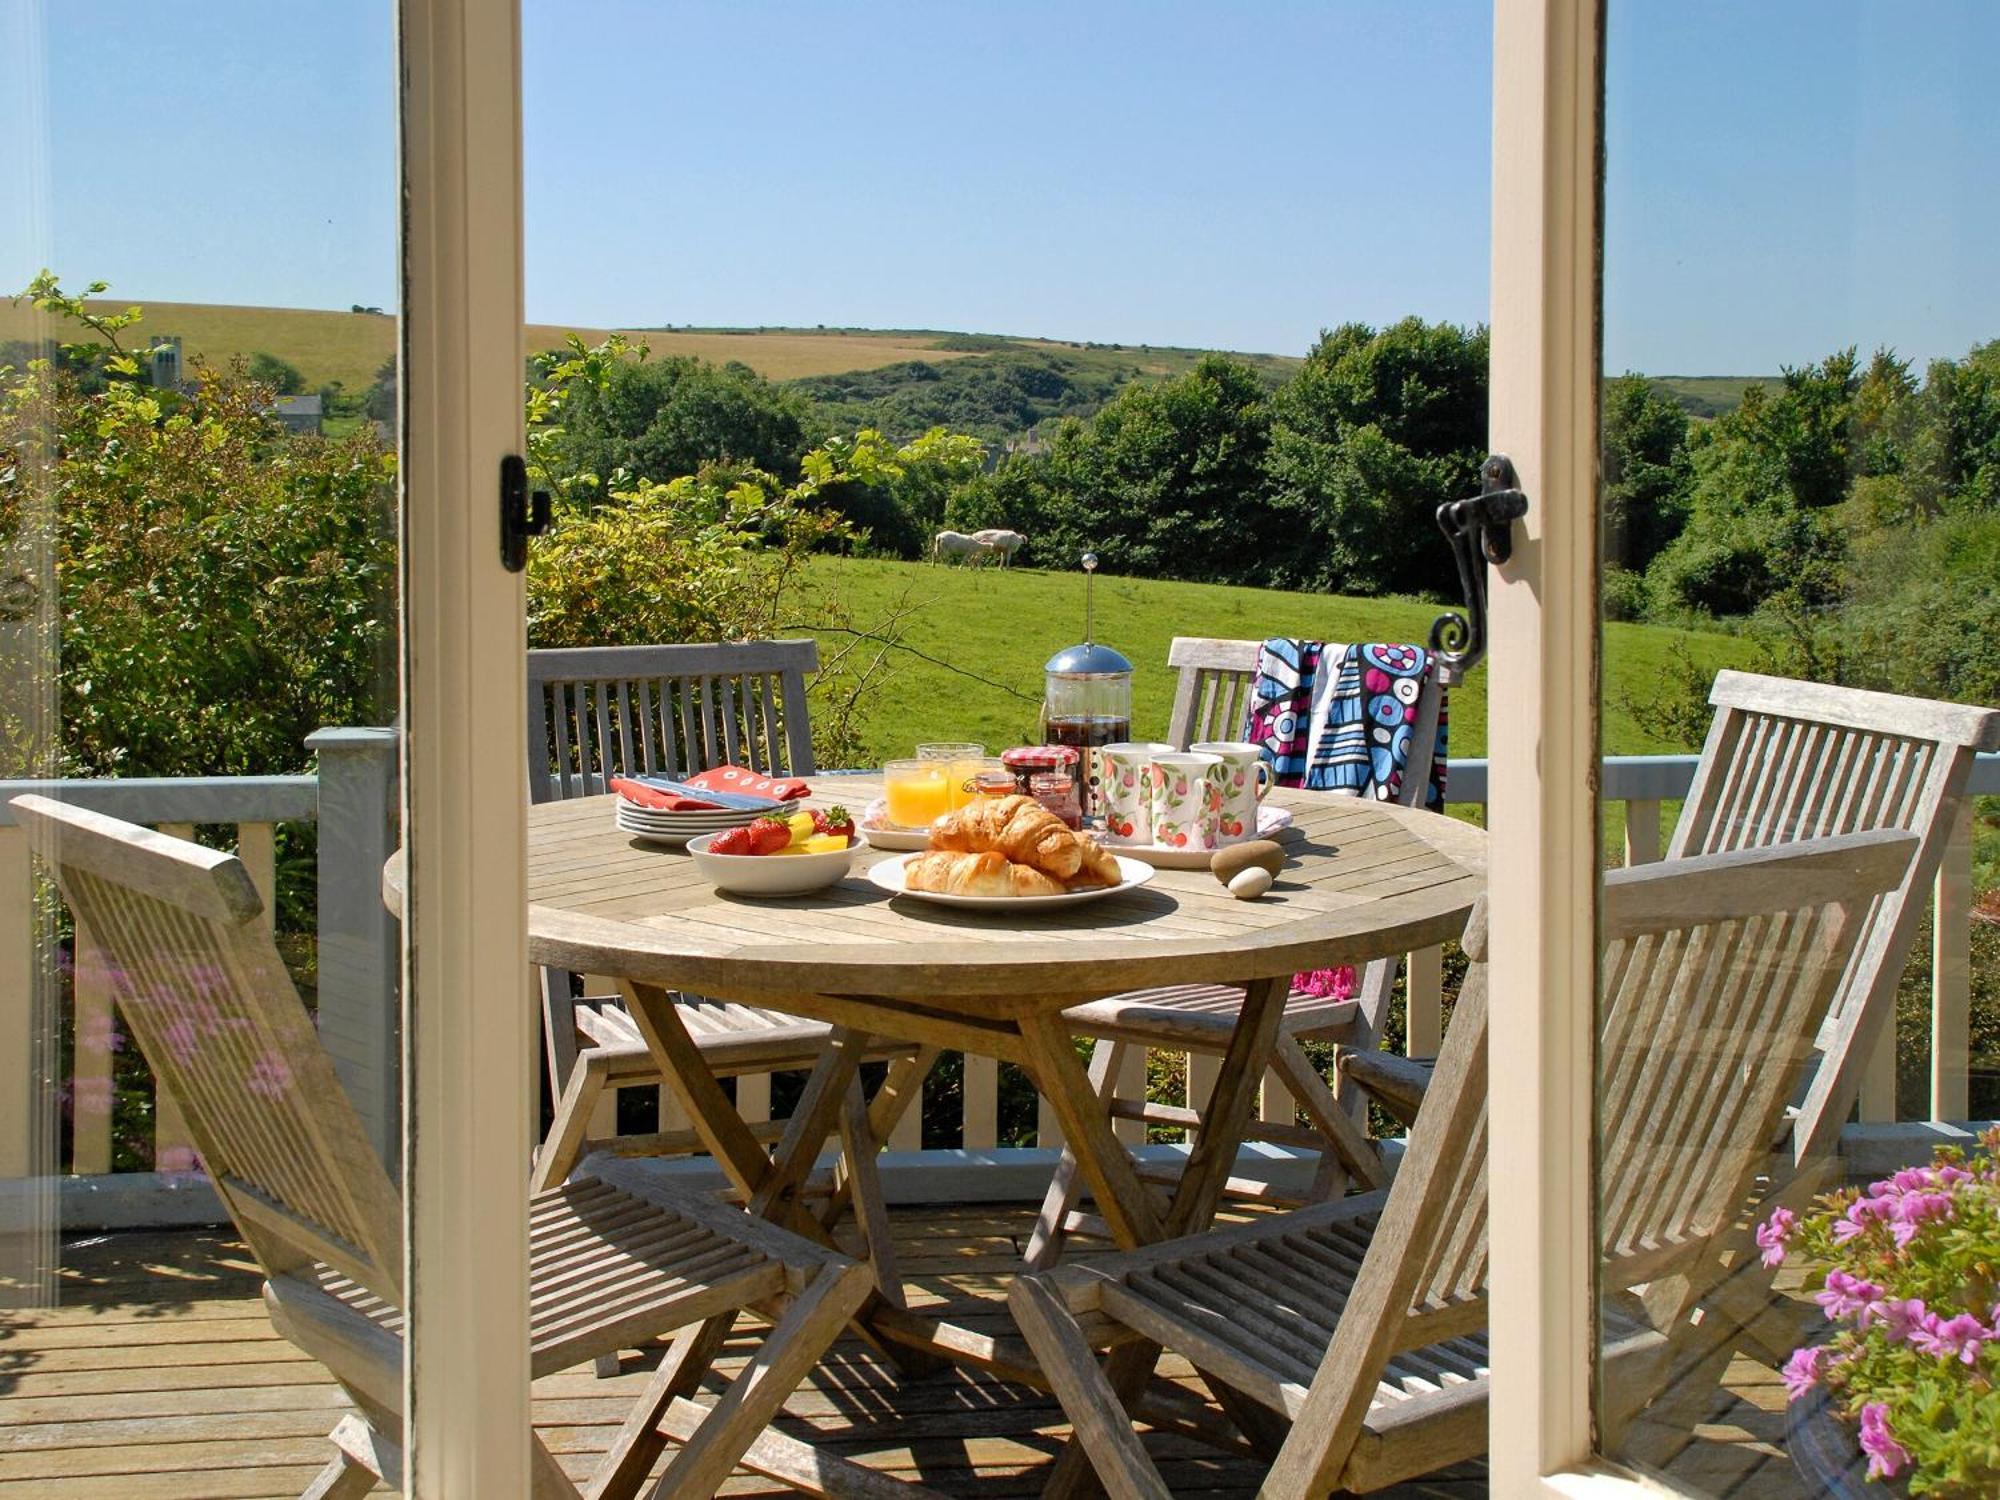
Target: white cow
<point>1001,543</point>
<point>951,544</point>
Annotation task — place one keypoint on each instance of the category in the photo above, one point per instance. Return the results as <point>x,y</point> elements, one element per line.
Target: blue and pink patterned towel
<point>1339,718</point>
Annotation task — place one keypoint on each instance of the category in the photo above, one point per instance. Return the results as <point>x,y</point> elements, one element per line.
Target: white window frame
<point>469,1030</point>
<point>1543,696</point>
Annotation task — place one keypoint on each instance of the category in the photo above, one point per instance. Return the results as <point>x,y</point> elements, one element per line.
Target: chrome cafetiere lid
<point>1088,659</point>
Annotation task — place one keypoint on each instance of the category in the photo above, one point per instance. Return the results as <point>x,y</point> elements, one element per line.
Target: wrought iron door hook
<point>1480,530</point>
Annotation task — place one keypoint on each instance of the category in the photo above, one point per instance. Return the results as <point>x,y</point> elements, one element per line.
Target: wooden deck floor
<point>160,1379</point>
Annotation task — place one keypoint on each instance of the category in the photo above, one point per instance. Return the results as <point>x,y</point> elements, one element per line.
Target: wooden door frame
<point>469,1034</point>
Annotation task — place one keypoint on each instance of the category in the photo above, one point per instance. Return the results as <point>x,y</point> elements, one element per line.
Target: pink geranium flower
<point>1901,1317</point>
<point>1959,1338</point>
<point>1847,1296</point>
<point>1886,1457</point>
<point>1773,1233</point>
<point>1802,1371</point>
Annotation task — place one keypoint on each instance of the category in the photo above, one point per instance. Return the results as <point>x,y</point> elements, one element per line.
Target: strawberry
<point>732,841</point>
<point>834,820</point>
<point>768,835</point>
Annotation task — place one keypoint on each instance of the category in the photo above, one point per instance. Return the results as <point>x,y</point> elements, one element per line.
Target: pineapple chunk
<point>823,843</point>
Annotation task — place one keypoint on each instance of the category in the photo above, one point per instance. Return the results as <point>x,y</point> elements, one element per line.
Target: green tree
<point>1646,471</point>
<point>280,375</point>
<point>662,419</point>
<point>1375,432</point>
<point>1763,517</point>
<point>1166,481</point>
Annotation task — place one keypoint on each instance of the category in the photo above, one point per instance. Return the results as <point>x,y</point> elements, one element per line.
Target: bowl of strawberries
<point>787,855</point>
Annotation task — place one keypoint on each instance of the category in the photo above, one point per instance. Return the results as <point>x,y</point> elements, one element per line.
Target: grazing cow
<point>1000,543</point>
<point>952,544</point>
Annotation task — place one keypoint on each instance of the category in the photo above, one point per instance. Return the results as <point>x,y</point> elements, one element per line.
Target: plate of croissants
<point>1012,852</point>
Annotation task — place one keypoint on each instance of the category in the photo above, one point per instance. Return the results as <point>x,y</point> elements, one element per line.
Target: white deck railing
<point>351,799</point>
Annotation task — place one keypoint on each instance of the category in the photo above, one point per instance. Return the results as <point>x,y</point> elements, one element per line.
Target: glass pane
<point>1801,484</point>
<point>198,625</point>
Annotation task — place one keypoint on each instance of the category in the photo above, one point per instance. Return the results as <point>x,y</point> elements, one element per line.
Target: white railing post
<point>360,1023</point>
<point>20,1089</point>
<point>1642,831</point>
<point>1423,1008</point>
<point>1951,972</point>
<point>980,1086</point>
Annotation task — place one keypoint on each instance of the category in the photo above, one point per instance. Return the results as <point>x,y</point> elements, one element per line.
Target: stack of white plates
<point>657,826</point>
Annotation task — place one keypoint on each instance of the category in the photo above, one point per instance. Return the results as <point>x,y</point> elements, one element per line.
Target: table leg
<point>1122,1198</point>
<point>1227,1115</point>
<point>1129,1367</point>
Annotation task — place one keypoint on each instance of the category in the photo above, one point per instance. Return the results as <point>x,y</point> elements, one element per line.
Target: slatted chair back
<point>1692,1080</point>
<point>199,982</point>
<point>604,711</point>
<point>1789,760</point>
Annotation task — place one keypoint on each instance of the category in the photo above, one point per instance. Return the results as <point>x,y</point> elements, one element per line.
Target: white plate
<point>888,874</point>
<point>686,825</point>
<point>910,840</point>
<point>1270,820</point>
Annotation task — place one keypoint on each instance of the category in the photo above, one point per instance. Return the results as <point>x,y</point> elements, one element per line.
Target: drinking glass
<point>918,791</point>
<point>950,750</point>
<point>965,773</point>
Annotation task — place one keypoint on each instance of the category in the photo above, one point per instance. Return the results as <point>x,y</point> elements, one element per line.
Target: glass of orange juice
<point>918,791</point>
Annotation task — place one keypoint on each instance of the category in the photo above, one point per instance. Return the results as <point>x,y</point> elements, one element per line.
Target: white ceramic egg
<point>1249,883</point>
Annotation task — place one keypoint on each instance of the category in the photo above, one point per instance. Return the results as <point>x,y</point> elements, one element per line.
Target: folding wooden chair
<point>1360,1323</point>
<point>1789,760</point>
<point>1211,702</point>
<point>614,1258</point>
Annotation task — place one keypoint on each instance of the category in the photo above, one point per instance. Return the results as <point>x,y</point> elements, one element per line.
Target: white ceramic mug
<point>1246,778</point>
<point>1184,798</point>
<point>1121,791</point>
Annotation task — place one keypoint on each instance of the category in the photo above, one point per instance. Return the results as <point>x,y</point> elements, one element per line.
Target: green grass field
<point>991,630</point>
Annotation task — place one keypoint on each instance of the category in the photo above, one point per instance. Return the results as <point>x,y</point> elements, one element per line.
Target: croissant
<point>1098,868</point>
<point>1018,827</point>
<point>955,873</point>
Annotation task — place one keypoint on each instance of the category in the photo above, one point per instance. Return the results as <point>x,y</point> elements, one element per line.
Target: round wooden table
<point>1366,881</point>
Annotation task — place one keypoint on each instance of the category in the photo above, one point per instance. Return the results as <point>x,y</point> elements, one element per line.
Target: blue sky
<point>1783,178</point>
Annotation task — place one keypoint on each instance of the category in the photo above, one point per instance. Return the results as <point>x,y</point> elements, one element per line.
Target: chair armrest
<point>1397,1083</point>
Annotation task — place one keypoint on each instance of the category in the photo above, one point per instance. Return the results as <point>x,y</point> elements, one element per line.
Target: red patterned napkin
<point>737,779</point>
<point>751,783</point>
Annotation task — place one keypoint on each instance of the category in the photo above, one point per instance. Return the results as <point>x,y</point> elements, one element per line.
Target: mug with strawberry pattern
<point>1246,778</point>
<point>1121,791</point>
<point>1184,799</point>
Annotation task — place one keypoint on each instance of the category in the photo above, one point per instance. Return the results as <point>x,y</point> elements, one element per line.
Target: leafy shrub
<point>226,588</point>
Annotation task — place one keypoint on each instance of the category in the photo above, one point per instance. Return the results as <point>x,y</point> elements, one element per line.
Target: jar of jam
<point>1059,793</point>
<point>999,783</point>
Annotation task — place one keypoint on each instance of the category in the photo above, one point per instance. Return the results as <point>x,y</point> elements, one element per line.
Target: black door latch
<point>522,515</point>
<point>1480,529</point>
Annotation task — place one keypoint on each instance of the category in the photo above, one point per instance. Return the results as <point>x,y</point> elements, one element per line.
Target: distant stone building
<point>299,413</point>
<point>163,362</point>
